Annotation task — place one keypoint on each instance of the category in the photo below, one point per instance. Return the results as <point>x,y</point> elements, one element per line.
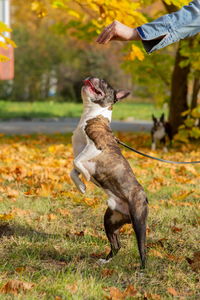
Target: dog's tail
<point>138,210</point>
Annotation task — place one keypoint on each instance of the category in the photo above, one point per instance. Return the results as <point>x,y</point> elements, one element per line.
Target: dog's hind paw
<point>103,261</point>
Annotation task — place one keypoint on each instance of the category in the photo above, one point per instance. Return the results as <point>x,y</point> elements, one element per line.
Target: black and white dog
<point>160,131</point>
<point>99,159</point>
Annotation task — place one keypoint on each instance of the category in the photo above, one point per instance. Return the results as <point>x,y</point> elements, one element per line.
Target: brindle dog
<point>99,159</point>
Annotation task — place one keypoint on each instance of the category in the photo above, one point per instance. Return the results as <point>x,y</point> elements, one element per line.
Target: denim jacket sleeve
<point>171,28</point>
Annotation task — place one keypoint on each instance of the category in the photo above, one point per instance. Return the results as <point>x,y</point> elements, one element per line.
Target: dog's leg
<point>95,182</point>
<point>138,212</point>
<point>88,153</point>
<point>163,141</point>
<point>74,174</point>
<point>153,144</point>
<point>113,220</point>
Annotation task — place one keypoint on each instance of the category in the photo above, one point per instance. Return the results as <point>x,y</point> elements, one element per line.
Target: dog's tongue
<point>87,82</point>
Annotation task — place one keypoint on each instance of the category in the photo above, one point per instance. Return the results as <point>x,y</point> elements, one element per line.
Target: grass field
<point>123,110</point>
<point>51,236</point>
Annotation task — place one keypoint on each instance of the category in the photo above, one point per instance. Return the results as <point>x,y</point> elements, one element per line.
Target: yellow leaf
<point>3,58</point>
<point>35,5</point>
<point>51,217</point>
<point>136,52</point>
<point>6,217</point>
<point>4,27</point>
<point>73,13</point>
<point>181,196</point>
<point>10,42</point>
<point>3,45</point>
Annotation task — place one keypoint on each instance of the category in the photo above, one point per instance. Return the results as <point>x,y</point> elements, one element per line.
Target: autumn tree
<point>87,18</point>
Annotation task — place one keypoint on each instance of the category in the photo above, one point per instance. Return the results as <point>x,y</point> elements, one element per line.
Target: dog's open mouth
<point>88,83</point>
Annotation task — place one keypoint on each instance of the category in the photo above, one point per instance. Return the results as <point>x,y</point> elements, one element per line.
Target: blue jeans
<point>171,28</point>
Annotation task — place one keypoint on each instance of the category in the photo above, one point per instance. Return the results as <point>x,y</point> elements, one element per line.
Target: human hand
<point>118,31</point>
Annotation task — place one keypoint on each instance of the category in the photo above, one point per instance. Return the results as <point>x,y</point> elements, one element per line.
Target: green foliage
<point>153,76</point>
<point>191,50</point>
<point>190,129</point>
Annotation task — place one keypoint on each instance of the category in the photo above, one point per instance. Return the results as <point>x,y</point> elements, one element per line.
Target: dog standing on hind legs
<point>99,159</point>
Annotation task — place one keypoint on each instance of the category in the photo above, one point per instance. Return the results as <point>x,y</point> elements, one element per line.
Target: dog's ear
<point>162,118</point>
<point>154,118</point>
<point>121,94</point>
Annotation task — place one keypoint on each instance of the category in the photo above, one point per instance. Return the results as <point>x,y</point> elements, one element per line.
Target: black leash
<point>159,159</point>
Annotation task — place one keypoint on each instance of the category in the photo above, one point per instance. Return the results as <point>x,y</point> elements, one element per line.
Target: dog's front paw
<point>82,187</point>
<point>165,149</point>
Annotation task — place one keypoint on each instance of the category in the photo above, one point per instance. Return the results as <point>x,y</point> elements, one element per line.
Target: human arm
<point>171,28</point>
<point>159,33</point>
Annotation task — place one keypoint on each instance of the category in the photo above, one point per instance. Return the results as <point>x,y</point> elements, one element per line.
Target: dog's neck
<point>93,110</point>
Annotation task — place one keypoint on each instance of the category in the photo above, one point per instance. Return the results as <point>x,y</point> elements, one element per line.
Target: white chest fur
<point>160,133</point>
<point>79,138</point>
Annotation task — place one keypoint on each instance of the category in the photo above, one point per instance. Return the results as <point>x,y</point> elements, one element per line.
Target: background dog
<point>99,159</point>
<point>160,131</point>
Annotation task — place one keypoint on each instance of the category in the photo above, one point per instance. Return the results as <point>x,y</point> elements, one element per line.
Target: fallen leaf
<point>51,217</point>
<point>73,288</point>
<point>97,255</point>
<point>81,233</point>
<point>181,196</point>
<point>64,212</point>
<point>149,296</point>
<point>21,212</point>
<point>107,272</point>
<point>172,291</point>
<point>158,243</point>
<point>16,286</point>
<point>90,202</point>
<point>174,258</point>
<point>12,193</point>
<point>6,217</point>
<point>116,294</point>
<point>130,291</point>
<point>176,229</point>
<point>195,262</point>
<point>126,229</point>
<point>20,269</point>
<point>156,253</point>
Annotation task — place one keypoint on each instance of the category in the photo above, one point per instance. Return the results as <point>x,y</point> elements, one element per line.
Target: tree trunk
<point>179,85</point>
<point>179,91</point>
<point>195,91</point>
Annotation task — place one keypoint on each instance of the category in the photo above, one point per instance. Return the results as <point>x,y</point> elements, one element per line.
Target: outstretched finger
<point>104,33</point>
<point>108,36</point>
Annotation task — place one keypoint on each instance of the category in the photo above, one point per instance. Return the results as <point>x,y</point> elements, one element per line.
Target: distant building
<point>7,68</point>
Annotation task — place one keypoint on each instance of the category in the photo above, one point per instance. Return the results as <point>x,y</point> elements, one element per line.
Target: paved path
<point>64,125</point>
